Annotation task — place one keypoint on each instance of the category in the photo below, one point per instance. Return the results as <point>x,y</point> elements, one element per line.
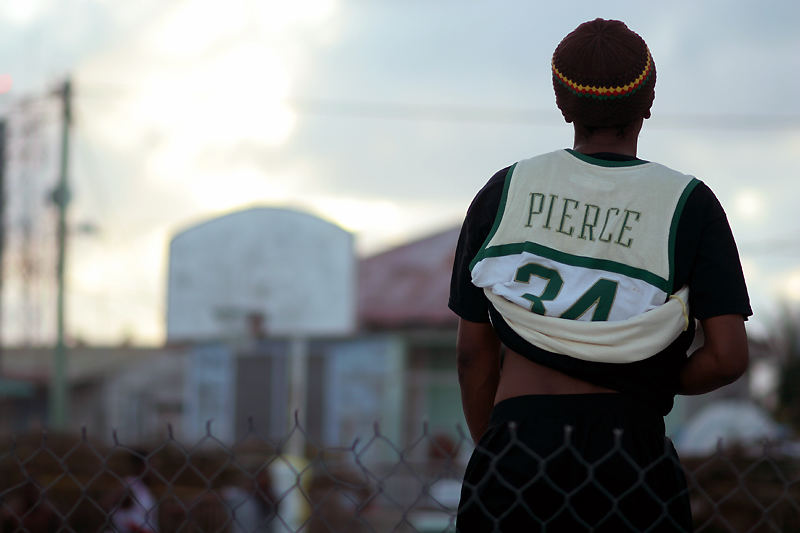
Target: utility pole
<point>58,377</point>
<point>2,228</point>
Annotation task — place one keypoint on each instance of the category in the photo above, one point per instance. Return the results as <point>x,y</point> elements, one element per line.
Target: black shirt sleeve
<point>707,260</point>
<point>466,300</point>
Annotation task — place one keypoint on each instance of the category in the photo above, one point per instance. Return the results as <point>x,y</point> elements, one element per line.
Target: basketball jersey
<point>584,239</point>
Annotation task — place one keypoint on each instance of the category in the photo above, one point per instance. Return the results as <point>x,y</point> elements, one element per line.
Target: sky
<point>383,117</point>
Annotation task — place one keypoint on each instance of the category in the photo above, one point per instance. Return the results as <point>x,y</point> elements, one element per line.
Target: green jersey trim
<point>573,260</point>
<point>673,229</point>
<point>605,162</point>
<point>501,209</point>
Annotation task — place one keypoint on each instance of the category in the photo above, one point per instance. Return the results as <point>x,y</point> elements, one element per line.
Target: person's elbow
<point>726,339</point>
<point>732,364</point>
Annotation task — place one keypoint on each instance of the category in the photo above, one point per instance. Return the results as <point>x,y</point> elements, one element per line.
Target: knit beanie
<point>603,75</point>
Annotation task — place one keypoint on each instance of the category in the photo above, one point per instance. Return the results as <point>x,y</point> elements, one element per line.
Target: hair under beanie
<point>603,75</point>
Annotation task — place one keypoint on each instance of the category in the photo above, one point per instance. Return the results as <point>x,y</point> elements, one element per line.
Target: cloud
<point>188,109</point>
<point>166,116</point>
<point>22,12</point>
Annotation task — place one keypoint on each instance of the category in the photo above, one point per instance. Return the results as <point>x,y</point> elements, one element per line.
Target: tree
<point>787,340</point>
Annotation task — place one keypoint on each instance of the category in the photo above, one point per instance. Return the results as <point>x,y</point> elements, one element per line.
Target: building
<point>397,367</point>
<point>99,384</point>
<point>404,291</point>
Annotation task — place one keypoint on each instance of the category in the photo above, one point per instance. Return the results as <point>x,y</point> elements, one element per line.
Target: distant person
<point>590,265</point>
<point>133,508</point>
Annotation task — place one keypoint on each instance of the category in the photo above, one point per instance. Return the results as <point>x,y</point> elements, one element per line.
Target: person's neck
<point>610,140</point>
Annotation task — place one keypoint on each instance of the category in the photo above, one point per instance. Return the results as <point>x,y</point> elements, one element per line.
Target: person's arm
<point>478,350</point>
<point>721,360</point>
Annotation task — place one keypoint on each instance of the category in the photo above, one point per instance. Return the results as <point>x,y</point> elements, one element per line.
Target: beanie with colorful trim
<point>603,75</point>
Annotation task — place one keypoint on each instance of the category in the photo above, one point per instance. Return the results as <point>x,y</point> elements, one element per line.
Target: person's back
<point>590,266</point>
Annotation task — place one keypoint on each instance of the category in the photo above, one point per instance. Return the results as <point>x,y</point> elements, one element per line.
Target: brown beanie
<point>603,75</point>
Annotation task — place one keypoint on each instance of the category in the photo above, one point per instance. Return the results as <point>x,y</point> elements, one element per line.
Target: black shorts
<point>572,463</point>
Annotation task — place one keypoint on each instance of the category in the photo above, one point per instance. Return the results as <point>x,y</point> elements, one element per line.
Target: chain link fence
<point>73,483</point>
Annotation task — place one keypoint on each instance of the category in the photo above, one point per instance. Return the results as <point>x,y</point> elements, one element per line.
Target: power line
<point>728,121</point>
<point>519,115</point>
<point>489,114</point>
<point>414,111</point>
<point>771,246</point>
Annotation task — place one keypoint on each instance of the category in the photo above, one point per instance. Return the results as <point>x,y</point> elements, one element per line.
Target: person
<point>133,508</point>
<point>578,280</point>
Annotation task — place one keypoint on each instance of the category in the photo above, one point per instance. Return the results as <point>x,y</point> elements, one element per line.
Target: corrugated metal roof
<point>408,285</point>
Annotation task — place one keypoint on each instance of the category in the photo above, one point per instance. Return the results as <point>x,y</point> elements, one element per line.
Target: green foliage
<point>788,337</point>
<point>789,392</point>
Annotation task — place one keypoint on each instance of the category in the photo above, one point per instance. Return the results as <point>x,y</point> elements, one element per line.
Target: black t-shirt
<point>706,259</point>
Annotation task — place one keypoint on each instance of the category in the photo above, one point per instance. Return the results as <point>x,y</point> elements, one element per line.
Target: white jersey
<point>591,243</point>
<point>577,240</point>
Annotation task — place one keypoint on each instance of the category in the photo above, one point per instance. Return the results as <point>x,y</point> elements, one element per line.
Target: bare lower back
<point>521,376</point>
